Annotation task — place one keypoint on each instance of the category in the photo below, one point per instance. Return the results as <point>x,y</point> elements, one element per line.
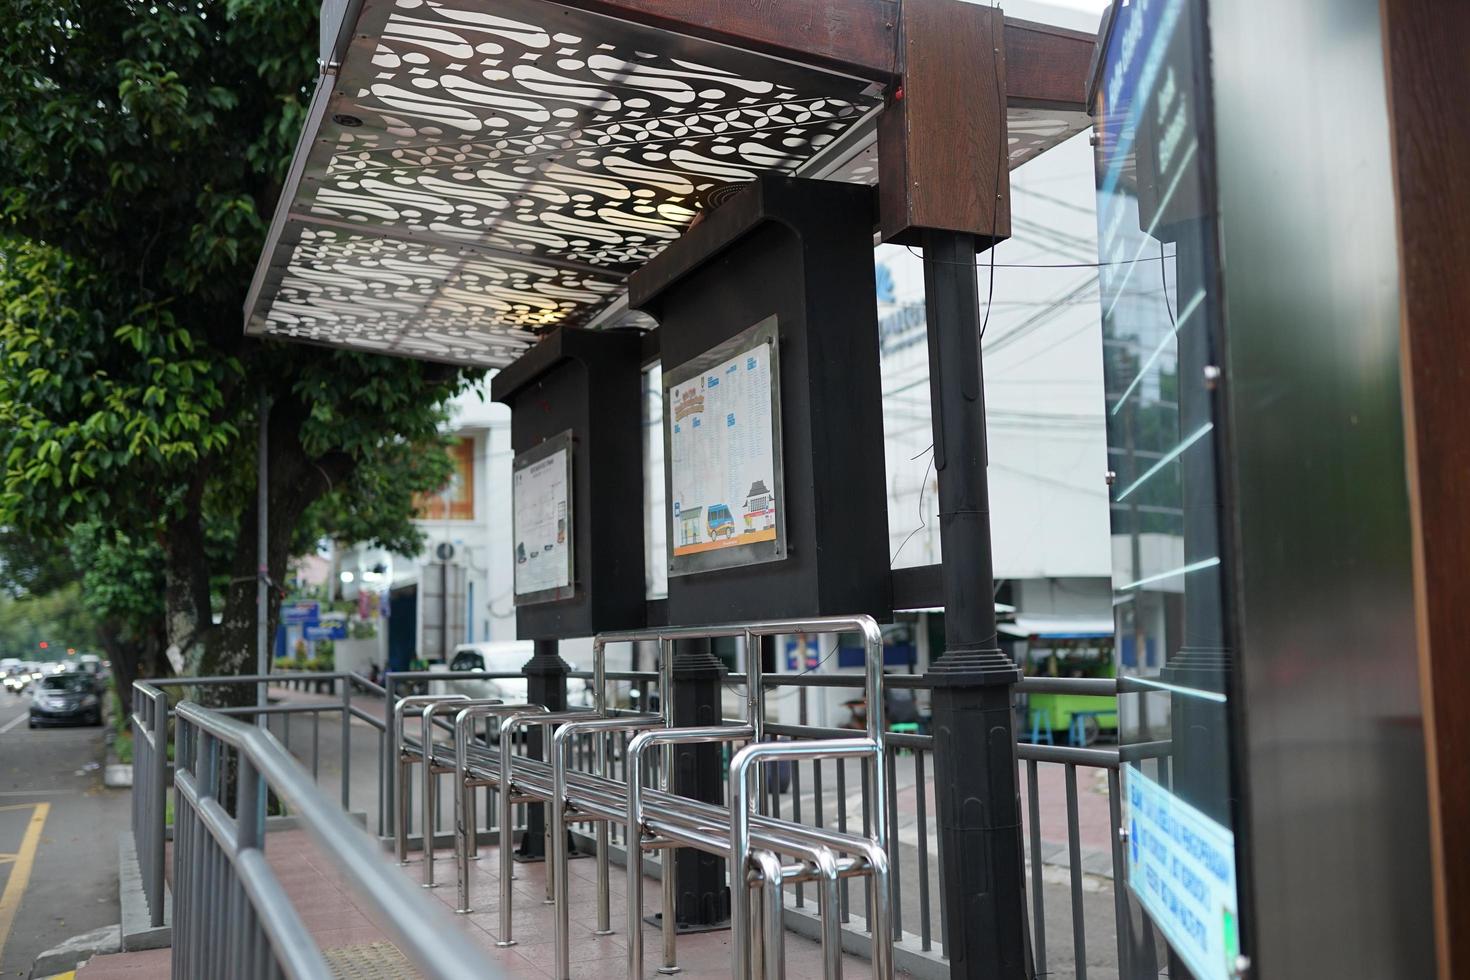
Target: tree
<point>32,567</point>
<point>142,147</point>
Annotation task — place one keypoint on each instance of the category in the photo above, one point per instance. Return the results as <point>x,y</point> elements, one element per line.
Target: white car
<point>502,658</point>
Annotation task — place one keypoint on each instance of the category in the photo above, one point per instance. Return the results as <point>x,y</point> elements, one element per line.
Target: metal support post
<point>978,800</point>
<point>701,895</point>
<point>546,684</point>
<point>262,556</point>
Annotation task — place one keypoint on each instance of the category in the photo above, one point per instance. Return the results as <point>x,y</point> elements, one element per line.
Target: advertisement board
<point>541,507</point>
<point>722,440</point>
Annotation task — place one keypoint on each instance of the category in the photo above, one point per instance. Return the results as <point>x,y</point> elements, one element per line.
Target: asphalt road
<point>58,837</point>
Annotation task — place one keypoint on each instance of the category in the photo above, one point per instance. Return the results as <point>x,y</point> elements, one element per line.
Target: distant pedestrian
<point>373,673</point>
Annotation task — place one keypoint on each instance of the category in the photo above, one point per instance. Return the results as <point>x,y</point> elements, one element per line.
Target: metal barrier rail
<point>151,778</point>
<point>806,794</point>
<point>153,772</point>
<point>811,795</point>
<point>779,837</point>
<point>232,915</point>
<point>808,797</point>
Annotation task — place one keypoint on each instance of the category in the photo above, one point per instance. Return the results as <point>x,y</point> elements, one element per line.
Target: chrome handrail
<point>431,946</point>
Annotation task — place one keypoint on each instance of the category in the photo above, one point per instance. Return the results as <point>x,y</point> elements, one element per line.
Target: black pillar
<point>546,683</point>
<point>978,802</point>
<point>702,896</point>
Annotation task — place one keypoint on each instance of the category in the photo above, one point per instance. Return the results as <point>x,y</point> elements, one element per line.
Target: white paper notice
<point>723,462</point>
<point>543,545</point>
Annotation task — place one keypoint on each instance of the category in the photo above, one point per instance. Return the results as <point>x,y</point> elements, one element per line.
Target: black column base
<point>546,683</point>
<point>702,897</point>
<point>978,816</point>
<point>683,928</point>
<point>973,667</point>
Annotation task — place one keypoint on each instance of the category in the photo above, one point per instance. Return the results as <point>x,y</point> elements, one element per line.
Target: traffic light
<point>44,645</point>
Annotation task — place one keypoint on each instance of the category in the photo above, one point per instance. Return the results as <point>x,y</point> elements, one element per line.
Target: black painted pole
<point>978,801</point>
<point>546,683</point>
<point>703,899</point>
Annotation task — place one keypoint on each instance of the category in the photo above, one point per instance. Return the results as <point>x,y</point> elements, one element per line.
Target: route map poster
<point>540,502</point>
<point>723,455</point>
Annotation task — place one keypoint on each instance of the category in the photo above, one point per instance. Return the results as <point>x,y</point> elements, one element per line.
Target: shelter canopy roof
<point>472,173</point>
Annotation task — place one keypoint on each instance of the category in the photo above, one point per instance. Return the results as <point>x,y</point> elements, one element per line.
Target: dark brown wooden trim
<point>1048,65</point>
<point>853,36</point>
<point>1428,94</point>
<point>943,156</point>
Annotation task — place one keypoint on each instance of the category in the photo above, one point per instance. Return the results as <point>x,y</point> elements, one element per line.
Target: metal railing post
<point>346,767</point>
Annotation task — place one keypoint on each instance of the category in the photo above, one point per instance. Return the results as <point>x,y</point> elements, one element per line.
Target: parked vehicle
<point>10,675</point>
<point>70,698</point>
<point>506,657</point>
<point>22,676</point>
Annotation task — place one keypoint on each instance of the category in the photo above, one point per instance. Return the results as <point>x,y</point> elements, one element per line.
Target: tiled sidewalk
<point>351,939</point>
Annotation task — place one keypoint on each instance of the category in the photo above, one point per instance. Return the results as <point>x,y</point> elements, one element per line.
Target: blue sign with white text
<point>335,630</point>
<point>302,612</point>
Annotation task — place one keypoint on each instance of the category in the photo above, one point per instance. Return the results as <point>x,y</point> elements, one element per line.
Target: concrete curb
<point>63,959</point>
<point>138,931</point>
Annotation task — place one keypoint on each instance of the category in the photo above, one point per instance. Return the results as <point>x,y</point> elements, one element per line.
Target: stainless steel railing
<point>151,779</point>
<point>232,917</point>
<point>820,794</point>
<point>831,794</point>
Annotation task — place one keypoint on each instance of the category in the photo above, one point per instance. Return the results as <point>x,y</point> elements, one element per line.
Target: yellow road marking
<point>20,874</point>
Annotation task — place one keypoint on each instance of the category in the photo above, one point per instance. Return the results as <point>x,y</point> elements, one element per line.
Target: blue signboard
<point>333,630</point>
<point>301,613</point>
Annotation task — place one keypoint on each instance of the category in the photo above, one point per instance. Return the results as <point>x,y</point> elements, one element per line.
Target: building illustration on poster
<point>722,449</point>
<point>542,524</point>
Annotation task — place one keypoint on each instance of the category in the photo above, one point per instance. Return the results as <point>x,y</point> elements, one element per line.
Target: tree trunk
<point>187,613</point>
<point>133,658</point>
<point>297,480</point>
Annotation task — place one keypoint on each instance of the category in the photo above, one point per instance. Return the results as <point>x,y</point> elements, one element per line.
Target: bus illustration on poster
<point>723,438</point>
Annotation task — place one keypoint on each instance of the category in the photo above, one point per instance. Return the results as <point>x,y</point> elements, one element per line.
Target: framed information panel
<point>722,440</point>
<point>541,508</point>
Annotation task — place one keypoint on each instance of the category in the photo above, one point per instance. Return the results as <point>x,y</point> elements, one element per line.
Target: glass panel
<point>655,518</point>
<point>1157,243</point>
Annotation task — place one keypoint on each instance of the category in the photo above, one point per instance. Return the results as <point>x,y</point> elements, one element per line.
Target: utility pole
<point>262,552</point>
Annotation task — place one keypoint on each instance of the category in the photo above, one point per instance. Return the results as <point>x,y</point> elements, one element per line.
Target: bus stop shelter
<point>473,177</point>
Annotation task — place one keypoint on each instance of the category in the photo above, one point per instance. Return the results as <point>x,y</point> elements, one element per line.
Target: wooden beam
<point>1048,66</point>
<point>852,36</point>
<point>942,149</point>
<point>1428,76</point>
